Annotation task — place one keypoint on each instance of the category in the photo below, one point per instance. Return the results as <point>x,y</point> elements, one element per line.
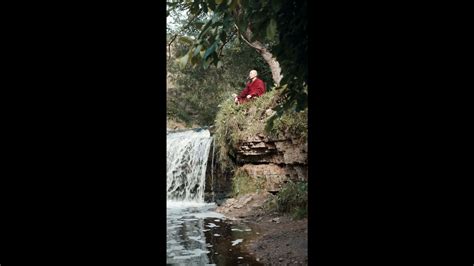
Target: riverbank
<point>281,240</point>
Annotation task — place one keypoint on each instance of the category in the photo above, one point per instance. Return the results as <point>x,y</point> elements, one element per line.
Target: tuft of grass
<point>291,199</point>
<point>294,125</point>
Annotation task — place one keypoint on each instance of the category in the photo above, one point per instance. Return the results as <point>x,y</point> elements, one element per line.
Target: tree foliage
<point>197,92</point>
<point>280,24</point>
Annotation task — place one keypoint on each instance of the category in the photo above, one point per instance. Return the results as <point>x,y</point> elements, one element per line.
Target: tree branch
<point>246,41</point>
<point>267,55</point>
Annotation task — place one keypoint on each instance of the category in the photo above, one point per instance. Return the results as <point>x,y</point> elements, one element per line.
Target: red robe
<point>255,89</point>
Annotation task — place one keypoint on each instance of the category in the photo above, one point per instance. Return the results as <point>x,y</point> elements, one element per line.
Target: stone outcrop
<point>276,159</point>
<point>260,157</point>
<point>260,149</point>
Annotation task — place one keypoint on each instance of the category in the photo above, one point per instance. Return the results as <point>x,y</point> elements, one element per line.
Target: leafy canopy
<point>280,24</point>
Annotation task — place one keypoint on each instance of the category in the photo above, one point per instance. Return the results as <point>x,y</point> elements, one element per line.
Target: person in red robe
<point>255,88</point>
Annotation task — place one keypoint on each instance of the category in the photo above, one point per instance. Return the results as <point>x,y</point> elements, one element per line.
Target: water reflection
<point>225,242</point>
<point>198,236</point>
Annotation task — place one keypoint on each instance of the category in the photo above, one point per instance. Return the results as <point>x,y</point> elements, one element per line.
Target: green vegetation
<point>291,199</point>
<point>243,184</point>
<point>277,26</point>
<point>235,123</point>
<point>290,124</point>
<point>212,46</point>
<point>195,92</point>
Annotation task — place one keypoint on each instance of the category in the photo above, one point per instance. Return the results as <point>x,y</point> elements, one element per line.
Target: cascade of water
<point>212,169</point>
<point>187,155</point>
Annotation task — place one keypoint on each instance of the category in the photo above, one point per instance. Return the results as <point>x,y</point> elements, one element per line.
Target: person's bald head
<point>253,73</point>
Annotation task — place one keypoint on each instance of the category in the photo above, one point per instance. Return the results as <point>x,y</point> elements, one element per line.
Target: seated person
<point>255,88</point>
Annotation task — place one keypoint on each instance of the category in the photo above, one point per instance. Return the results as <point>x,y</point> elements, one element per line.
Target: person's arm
<point>244,93</point>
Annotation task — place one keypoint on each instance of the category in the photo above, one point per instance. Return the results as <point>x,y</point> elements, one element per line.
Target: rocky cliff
<point>253,156</point>
<point>262,158</point>
<point>276,160</point>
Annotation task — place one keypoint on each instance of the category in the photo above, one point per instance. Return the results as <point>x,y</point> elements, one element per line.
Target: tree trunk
<point>267,56</point>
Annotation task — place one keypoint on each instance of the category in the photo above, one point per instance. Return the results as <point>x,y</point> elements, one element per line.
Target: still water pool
<point>196,235</point>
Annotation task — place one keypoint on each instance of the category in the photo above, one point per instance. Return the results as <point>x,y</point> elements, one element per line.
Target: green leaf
<point>205,28</point>
<point>218,2</point>
<point>206,64</point>
<point>271,29</point>
<point>197,50</point>
<point>185,39</point>
<point>234,4</point>
<point>210,50</point>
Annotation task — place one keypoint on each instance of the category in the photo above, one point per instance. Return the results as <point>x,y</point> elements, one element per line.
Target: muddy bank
<point>281,240</point>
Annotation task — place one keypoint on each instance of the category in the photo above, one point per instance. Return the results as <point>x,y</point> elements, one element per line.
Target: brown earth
<point>280,240</point>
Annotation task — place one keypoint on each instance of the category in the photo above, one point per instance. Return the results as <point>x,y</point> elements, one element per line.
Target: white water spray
<point>187,154</point>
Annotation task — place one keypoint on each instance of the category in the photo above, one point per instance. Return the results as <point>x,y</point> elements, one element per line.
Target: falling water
<point>196,235</point>
<point>187,156</point>
<point>212,169</point>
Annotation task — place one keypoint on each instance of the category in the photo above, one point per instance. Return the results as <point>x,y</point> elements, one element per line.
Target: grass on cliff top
<point>235,123</point>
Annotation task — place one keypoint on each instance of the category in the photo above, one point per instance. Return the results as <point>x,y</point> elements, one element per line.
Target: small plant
<point>291,199</point>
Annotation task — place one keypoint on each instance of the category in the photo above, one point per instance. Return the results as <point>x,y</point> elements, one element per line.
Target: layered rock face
<point>260,157</point>
<point>276,160</point>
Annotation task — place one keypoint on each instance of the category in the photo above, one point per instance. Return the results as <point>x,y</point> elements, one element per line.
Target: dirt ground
<point>281,240</point>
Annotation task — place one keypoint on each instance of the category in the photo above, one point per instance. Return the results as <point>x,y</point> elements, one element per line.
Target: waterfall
<point>187,153</point>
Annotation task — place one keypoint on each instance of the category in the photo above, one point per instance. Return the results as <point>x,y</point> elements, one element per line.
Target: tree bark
<point>267,56</point>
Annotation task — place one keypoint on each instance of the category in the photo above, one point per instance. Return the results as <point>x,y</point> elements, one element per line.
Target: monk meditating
<point>255,88</point>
